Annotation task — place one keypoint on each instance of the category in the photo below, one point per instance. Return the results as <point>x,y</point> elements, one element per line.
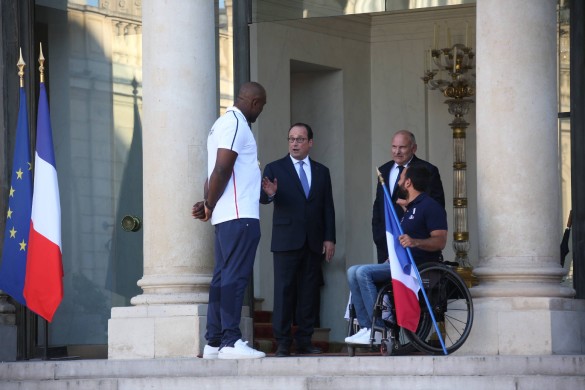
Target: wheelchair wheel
<point>452,308</point>
<point>386,347</point>
<point>352,328</point>
<point>350,350</point>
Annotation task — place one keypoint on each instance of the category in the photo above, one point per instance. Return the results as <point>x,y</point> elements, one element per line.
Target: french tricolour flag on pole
<point>404,282</point>
<point>43,286</point>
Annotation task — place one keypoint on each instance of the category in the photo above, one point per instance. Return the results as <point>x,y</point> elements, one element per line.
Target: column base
<point>162,331</point>
<point>7,342</point>
<point>8,332</point>
<point>526,326</point>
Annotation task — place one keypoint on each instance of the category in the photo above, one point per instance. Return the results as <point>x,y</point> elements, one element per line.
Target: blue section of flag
<point>13,268</point>
<point>44,131</point>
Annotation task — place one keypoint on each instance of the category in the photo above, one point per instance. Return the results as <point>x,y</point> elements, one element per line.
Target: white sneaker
<point>210,352</point>
<point>364,338</point>
<point>359,333</point>
<point>240,350</point>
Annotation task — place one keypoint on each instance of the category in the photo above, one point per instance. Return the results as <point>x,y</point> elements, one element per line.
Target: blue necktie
<point>303,177</point>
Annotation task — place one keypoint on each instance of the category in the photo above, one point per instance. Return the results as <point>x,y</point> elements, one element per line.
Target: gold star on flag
<point>22,245</point>
<point>12,233</point>
<point>11,192</point>
<point>19,173</point>
<point>29,166</point>
<point>9,214</point>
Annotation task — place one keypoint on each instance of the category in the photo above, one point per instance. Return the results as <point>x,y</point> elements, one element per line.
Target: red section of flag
<point>43,287</point>
<point>407,308</point>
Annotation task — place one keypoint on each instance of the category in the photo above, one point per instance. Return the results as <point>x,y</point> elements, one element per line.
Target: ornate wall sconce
<point>455,63</point>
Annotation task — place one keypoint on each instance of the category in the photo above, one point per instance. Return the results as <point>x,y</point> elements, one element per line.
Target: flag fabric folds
<point>405,284</point>
<point>16,242</point>
<point>43,287</point>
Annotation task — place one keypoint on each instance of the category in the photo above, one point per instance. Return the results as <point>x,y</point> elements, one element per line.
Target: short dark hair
<point>419,175</point>
<point>306,126</point>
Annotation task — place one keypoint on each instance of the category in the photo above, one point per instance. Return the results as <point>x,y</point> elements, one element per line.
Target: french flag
<point>43,285</point>
<point>404,281</point>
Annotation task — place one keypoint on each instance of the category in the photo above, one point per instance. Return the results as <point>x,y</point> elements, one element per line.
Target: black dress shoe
<point>308,350</point>
<point>282,351</point>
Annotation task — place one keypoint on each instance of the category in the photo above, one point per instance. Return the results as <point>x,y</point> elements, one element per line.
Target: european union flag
<point>13,267</point>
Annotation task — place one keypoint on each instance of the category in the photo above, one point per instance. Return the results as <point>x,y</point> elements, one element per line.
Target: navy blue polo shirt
<point>424,215</point>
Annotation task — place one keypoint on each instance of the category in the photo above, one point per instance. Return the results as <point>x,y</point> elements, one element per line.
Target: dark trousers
<point>235,249</point>
<point>297,277</point>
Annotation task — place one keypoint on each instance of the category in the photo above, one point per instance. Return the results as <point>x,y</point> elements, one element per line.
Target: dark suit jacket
<point>435,190</point>
<point>297,218</point>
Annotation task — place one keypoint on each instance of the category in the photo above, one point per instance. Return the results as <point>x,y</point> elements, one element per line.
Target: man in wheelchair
<point>424,224</point>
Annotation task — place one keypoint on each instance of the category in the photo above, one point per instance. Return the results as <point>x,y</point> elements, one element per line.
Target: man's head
<point>300,140</point>
<point>251,100</point>
<point>403,147</point>
<point>414,179</point>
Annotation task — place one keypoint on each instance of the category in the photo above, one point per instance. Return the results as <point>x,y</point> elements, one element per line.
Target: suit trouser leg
<point>285,279</point>
<point>308,292</point>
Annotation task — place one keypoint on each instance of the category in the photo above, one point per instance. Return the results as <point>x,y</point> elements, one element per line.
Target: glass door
<point>93,52</point>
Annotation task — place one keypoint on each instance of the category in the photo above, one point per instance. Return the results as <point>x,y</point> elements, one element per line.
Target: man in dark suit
<point>303,233</point>
<point>403,154</point>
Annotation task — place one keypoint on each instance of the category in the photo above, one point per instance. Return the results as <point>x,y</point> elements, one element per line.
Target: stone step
<point>264,338</point>
<point>264,331</point>
<point>315,372</point>
<point>269,346</point>
<point>261,316</point>
<point>510,382</point>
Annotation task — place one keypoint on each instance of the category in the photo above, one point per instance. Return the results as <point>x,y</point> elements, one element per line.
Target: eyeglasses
<point>292,140</point>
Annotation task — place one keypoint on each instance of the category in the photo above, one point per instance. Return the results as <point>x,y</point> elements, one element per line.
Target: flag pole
<point>413,264</point>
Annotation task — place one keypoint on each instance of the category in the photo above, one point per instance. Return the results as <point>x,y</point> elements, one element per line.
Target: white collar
<point>305,160</point>
<point>396,165</point>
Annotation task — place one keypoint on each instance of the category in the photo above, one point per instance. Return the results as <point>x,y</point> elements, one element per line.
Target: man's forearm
<point>431,244</point>
<point>220,176</point>
<point>216,186</point>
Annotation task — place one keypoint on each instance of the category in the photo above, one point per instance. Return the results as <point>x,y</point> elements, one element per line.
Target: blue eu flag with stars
<point>13,267</point>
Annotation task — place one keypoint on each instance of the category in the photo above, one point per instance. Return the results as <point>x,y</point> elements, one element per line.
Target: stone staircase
<point>301,373</point>
<point>264,337</point>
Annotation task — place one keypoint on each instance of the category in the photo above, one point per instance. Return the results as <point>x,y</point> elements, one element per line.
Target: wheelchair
<point>451,305</point>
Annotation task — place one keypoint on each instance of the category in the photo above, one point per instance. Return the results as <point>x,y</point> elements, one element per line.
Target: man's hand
<point>328,250</point>
<point>402,203</point>
<point>201,212</point>
<point>407,242</point>
<point>269,187</point>
<point>436,242</point>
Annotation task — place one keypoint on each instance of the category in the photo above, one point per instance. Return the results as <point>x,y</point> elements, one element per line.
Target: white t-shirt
<point>241,198</point>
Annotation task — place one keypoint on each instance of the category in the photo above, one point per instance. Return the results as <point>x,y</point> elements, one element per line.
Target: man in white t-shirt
<point>232,192</point>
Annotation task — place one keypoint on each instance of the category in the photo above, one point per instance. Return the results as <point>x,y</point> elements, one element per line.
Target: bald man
<point>232,194</point>
<point>403,154</point>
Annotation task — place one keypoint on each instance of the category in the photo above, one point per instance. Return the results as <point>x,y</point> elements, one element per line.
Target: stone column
<point>180,105</point>
<point>520,305</point>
